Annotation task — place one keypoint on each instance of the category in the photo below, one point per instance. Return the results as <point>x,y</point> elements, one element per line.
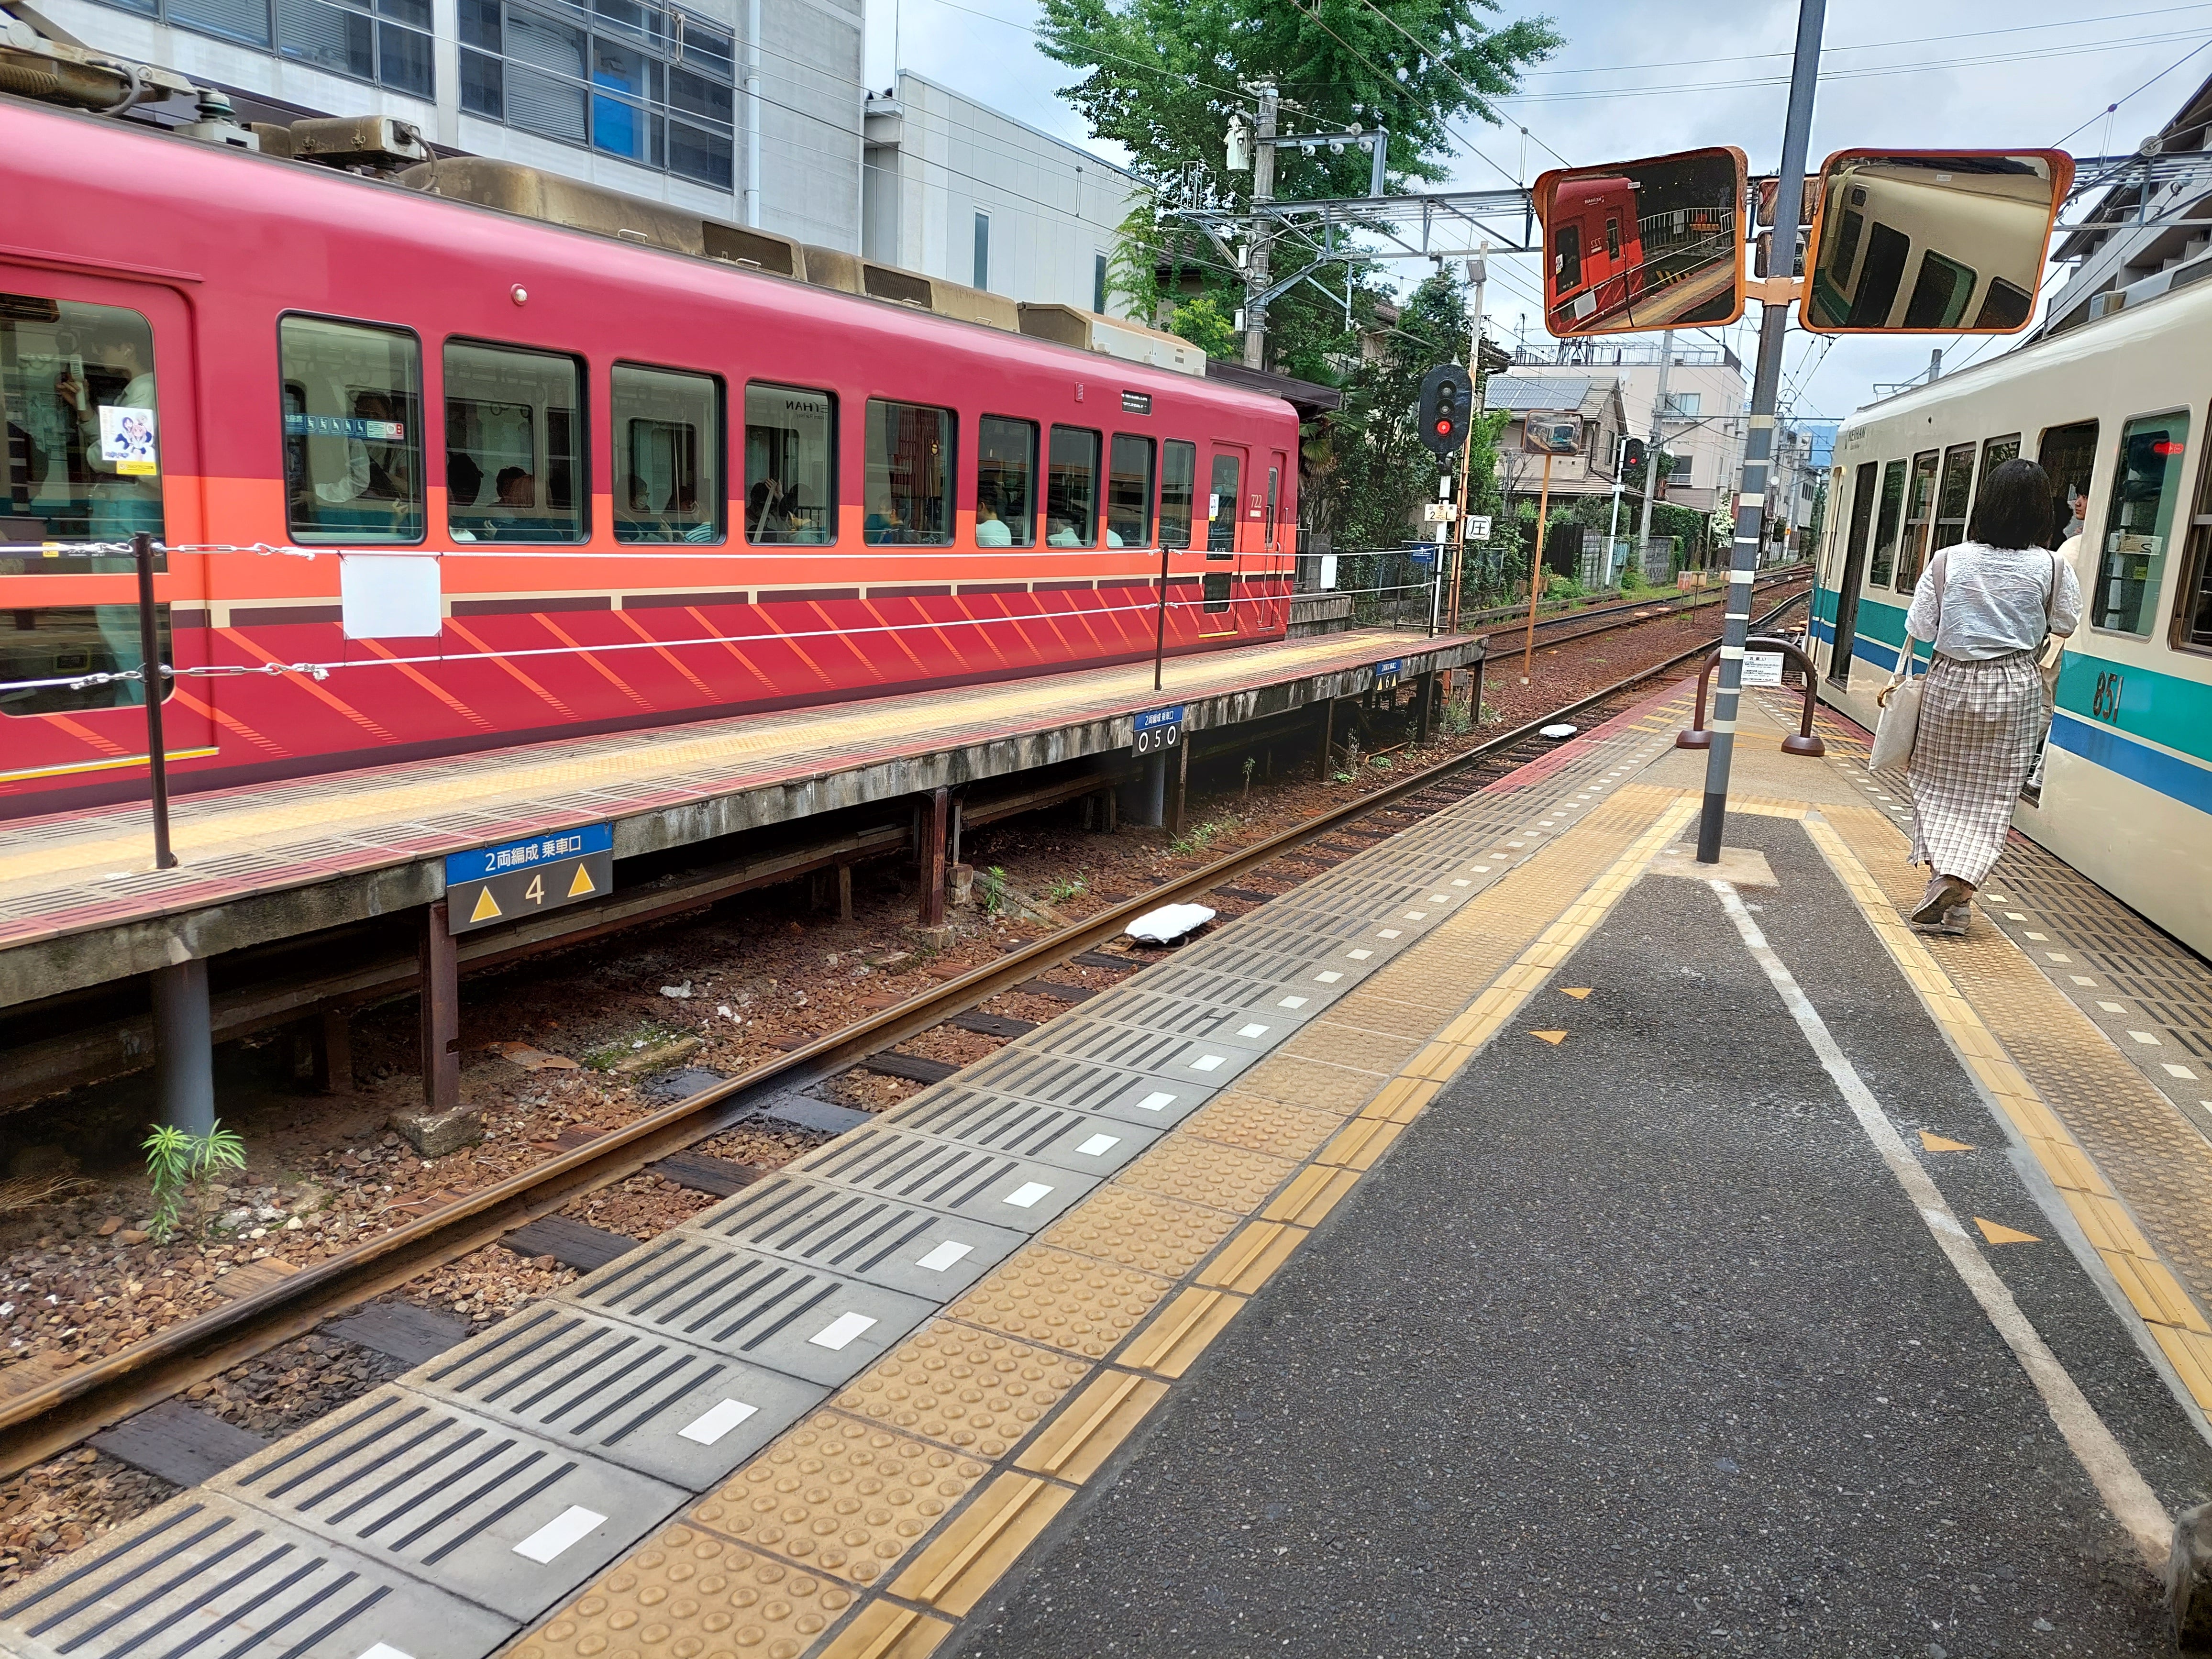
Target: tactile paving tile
<point>925,1253</point>
<point>842,1495</point>
<point>1006,1192</point>
<point>690,1593</point>
<point>1335,1043</point>
<point>1208,1172</point>
<point>1025,1128</point>
<point>1312,1084</point>
<point>500,1516</point>
<point>204,1575</point>
<point>975,1391</point>
<point>661,1407</point>
<point>1077,1303</point>
<point>1259,1125</point>
<point>1142,1230</point>
<point>757,1308</point>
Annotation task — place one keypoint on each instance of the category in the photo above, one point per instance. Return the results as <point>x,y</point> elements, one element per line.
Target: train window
<point>2139,522</point>
<point>514,450</point>
<point>1884,563</point>
<point>1847,243</point>
<point>791,465</point>
<point>2068,456</point>
<point>1275,483</point>
<point>1129,492</point>
<point>1071,498</point>
<point>1861,522</point>
<point>1919,515</point>
<point>668,455</point>
<point>2005,306</point>
<point>353,431</point>
<point>1178,487</point>
<point>1955,497</point>
<point>1215,585</point>
<point>77,402</point>
<point>1568,273</point>
<point>1006,482</point>
<point>1880,274</point>
<point>1221,510</point>
<point>2191,628</point>
<point>1612,237</point>
<point>907,491</point>
<point>1997,451</point>
<point>1940,293</point>
<point>55,640</point>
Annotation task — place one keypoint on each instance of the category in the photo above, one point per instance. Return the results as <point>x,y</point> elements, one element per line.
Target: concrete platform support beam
<point>1176,767</point>
<point>1146,802</point>
<point>441,1013</point>
<point>936,821</point>
<point>1327,733</point>
<point>183,1046</point>
<point>1424,708</point>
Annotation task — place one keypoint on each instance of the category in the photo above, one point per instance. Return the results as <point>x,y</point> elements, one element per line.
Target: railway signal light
<point>1447,405</point>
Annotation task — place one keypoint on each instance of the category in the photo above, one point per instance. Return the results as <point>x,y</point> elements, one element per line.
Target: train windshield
<point>83,455</point>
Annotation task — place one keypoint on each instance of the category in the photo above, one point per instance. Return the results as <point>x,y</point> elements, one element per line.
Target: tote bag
<point>1899,723</point>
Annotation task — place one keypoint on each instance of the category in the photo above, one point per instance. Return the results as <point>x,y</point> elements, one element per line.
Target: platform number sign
<point>1158,729</point>
<point>488,885</point>
<point>1388,674</point>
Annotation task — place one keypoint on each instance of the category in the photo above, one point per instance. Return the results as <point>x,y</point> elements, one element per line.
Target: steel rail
<point>41,1422</point>
<point>1622,614</point>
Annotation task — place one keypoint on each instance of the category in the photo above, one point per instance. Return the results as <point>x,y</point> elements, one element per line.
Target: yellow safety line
<point>2150,1285</point>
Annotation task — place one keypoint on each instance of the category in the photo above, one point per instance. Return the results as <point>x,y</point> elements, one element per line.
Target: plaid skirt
<point>1978,724</point>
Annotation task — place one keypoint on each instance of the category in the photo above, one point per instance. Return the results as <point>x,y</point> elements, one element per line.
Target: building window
<point>652,85</point>
<point>386,42</point>
<point>1680,406</point>
<point>982,250</point>
<point>1098,282</point>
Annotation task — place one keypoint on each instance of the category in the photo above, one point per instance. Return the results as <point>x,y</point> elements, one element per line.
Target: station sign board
<point>1388,674</point>
<point>487,885</point>
<point>1158,729</point>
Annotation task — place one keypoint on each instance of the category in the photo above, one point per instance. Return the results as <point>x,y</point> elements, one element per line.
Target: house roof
<point>1528,392</point>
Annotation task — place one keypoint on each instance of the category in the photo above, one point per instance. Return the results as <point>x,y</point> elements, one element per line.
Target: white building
<point>957,190</point>
<point>1706,397</point>
<point>646,98</point>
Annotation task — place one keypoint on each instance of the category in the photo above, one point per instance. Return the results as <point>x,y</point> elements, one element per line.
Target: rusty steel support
<point>844,892</point>
<point>1425,714</point>
<point>334,1051</point>
<point>1178,780</point>
<point>1328,730</point>
<point>441,1011</point>
<point>936,820</point>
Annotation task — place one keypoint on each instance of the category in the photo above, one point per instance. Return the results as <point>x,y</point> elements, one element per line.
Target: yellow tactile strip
<point>876,1491</point>
<point>2052,1072</point>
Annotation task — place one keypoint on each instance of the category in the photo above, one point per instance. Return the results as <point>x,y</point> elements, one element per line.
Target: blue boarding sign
<point>1158,729</point>
<point>490,884</point>
<point>1388,674</point>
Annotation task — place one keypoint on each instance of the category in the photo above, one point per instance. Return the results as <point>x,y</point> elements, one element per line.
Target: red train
<point>1598,257</point>
<point>659,487</point>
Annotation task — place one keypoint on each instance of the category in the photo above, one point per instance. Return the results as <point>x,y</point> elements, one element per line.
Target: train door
<point>96,403</point>
<point>1860,523</point>
<point>1225,543</point>
<point>1281,541</point>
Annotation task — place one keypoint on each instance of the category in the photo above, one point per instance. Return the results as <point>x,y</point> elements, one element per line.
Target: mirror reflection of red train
<point>642,486</point>
<point>1640,245</point>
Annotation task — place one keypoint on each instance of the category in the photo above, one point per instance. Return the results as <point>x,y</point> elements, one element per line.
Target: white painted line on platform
<point>1026,1195</point>
<point>557,1535</point>
<point>1152,1102</point>
<point>1208,1062</point>
<point>1291,1002</point>
<point>712,1424</point>
<point>944,1255</point>
<point>1252,1031</point>
<point>1099,1146</point>
<point>844,1327</point>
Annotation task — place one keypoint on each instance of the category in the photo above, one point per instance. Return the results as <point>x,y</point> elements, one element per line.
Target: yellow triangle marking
<point>1577,992</point>
<point>487,907</point>
<point>1935,1143</point>
<point>1555,1038</point>
<point>582,884</point>
<point>1998,1235</point>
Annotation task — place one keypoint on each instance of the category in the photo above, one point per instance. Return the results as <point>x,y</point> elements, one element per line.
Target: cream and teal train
<point>2116,410</point>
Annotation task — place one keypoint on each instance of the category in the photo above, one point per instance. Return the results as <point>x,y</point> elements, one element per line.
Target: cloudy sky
<point>1643,78</point>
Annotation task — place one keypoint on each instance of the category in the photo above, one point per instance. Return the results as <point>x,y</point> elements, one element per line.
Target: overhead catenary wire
<point>2145,87</point>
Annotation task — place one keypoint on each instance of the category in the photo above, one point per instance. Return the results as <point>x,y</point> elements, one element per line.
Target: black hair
<point>2013,509</point>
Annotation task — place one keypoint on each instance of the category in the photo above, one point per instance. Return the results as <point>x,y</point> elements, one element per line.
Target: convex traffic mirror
<point>1651,244</point>
<point>1920,241</point>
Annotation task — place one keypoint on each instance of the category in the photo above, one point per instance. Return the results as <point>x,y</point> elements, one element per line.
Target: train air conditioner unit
<point>1112,337</point>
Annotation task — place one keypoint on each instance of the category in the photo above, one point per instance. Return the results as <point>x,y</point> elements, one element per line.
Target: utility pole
<point>1651,445</point>
<point>1619,477</point>
<point>1256,262</point>
<point>1758,442</point>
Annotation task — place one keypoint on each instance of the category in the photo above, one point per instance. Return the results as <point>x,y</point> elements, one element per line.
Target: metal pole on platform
<point>155,683</point>
<point>1536,569</point>
<point>1160,630</point>
<point>1759,446</point>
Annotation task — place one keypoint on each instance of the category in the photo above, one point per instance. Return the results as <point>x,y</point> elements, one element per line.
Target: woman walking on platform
<point>1986,605</point>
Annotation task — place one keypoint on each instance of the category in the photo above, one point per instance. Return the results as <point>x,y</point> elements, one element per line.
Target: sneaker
<point>1943,892</point>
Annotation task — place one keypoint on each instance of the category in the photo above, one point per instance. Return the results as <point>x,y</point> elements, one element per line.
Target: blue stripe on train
<point>2154,768</point>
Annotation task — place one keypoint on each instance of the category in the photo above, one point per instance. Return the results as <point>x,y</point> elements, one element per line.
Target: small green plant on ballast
<point>177,1159</point>
<point>1066,888</point>
<point>1251,765</point>
<point>992,884</point>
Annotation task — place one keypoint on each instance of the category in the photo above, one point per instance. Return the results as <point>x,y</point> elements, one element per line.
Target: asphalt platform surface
<point>1633,1346</point>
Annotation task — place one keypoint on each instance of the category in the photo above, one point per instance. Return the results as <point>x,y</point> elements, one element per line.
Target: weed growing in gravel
<point>1251,764</point>
<point>1459,720</point>
<point>1201,836</point>
<point>607,1056</point>
<point>1068,887</point>
<point>1380,763</point>
<point>177,1159</point>
<point>991,886</point>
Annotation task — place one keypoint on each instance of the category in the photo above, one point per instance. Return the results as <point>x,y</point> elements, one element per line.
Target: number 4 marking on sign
<point>536,891</point>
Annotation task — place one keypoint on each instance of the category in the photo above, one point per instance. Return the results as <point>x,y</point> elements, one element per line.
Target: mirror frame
<point>1543,192</point>
<point>2061,181</point>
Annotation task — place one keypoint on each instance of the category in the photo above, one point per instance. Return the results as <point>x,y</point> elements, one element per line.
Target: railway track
<point>39,1423</point>
<point>1566,625</point>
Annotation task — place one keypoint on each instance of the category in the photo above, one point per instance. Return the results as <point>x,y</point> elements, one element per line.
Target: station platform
<point>80,904</point>
<point>1518,1239</point>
